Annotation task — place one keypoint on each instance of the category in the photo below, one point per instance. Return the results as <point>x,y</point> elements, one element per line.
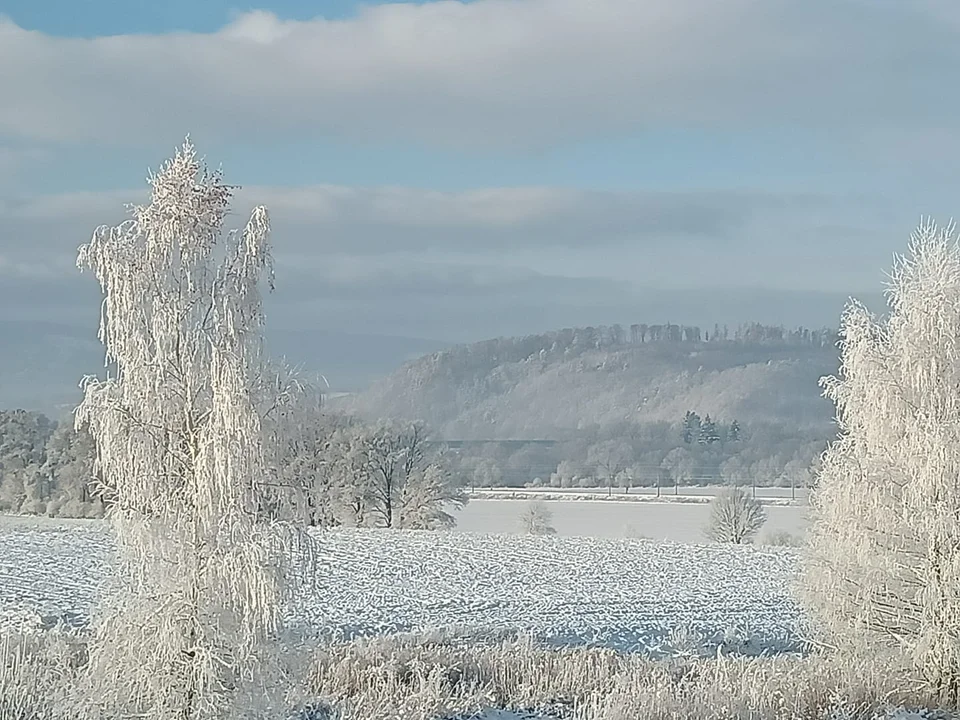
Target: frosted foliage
<point>180,425</point>
<point>884,567</point>
<point>735,517</point>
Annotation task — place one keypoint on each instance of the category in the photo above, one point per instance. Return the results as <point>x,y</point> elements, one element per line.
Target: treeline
<point>46,468</point>
<point>573,341</point>
<point>692,451</point>
<point>349,473</point>
<point>394,474</point>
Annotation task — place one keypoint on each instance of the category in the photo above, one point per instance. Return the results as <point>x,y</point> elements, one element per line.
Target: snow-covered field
<point>703,492</point>
<point>678,522</point>
<point>633,595</point>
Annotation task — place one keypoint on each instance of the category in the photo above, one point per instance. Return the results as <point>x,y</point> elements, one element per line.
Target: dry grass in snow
<point>415,679</point>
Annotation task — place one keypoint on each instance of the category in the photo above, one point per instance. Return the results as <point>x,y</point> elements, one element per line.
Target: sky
<point>456,171</point>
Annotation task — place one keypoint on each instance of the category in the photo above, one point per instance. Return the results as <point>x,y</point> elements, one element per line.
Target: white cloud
<point>393,222</point>
<point>455,264</point>
<point>494,73</point>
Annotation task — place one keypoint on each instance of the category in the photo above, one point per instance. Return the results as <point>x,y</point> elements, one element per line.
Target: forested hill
<point>543,386</point>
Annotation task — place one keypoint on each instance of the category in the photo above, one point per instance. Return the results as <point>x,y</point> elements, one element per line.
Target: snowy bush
<point>735,517</point>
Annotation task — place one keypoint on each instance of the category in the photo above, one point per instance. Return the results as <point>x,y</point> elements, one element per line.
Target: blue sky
<point>93,18</point>
<point>456,171</point>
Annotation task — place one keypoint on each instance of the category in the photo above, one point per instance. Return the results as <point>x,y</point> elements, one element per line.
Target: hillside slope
<point>546,385</point>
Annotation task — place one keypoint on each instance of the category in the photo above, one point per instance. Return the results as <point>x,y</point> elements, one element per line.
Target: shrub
<point>735,517</point>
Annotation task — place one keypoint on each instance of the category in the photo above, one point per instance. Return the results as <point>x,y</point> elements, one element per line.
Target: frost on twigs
<point>185,425</point>
<point>884,565</point>
<point>735,517</point>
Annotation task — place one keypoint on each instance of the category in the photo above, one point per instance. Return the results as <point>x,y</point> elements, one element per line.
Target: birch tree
<point>884,566</point>
<point>181,423</point>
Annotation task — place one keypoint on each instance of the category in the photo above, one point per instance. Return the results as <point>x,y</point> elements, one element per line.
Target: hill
<point>548,385</point>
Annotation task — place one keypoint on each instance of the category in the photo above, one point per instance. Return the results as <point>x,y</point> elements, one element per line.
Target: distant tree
<point>392,451</point>
<point>691,427</point>
<point>487,473</point>
<point>13,492</point>
<point>884,564</point>
<point>348,477</point>
<point>691,334</point>
<point>611,458</point>
<point>617,336</point>
<point>735,517</point>
<point>568,471</point>
<point>71,468</point>
<point>681,465</point>
<point>23,439</point>
<point>537,519</point>
<point>708,432</point>
<point>733,432</point>
<point>308,448</point>
<point>734,472</point>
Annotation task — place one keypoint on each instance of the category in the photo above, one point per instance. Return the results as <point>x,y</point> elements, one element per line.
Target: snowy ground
<point>633,595</point>
<point>678,522</point>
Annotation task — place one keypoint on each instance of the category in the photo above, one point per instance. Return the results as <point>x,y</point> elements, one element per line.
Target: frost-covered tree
<point>537,519</point>
<point>884,566</point>
<point>611,458</point>
<point>393,453</point>
<point>429,492</point>
<point>346,467</point>
<point>307,442</point>
<point>181,424</point>
<point>70,457</point>
<point>681,465</point>
<point>735,517</point>
<point>486,473</point>
<point>23,438</point>
<point>690,430</point>
<point>382,475</point>
<point>407,485</point>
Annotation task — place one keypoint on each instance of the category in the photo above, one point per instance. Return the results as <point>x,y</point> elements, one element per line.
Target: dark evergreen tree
<point>691,427</point>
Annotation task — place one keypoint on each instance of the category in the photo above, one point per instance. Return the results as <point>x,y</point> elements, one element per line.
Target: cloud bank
<point>496,73</point>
